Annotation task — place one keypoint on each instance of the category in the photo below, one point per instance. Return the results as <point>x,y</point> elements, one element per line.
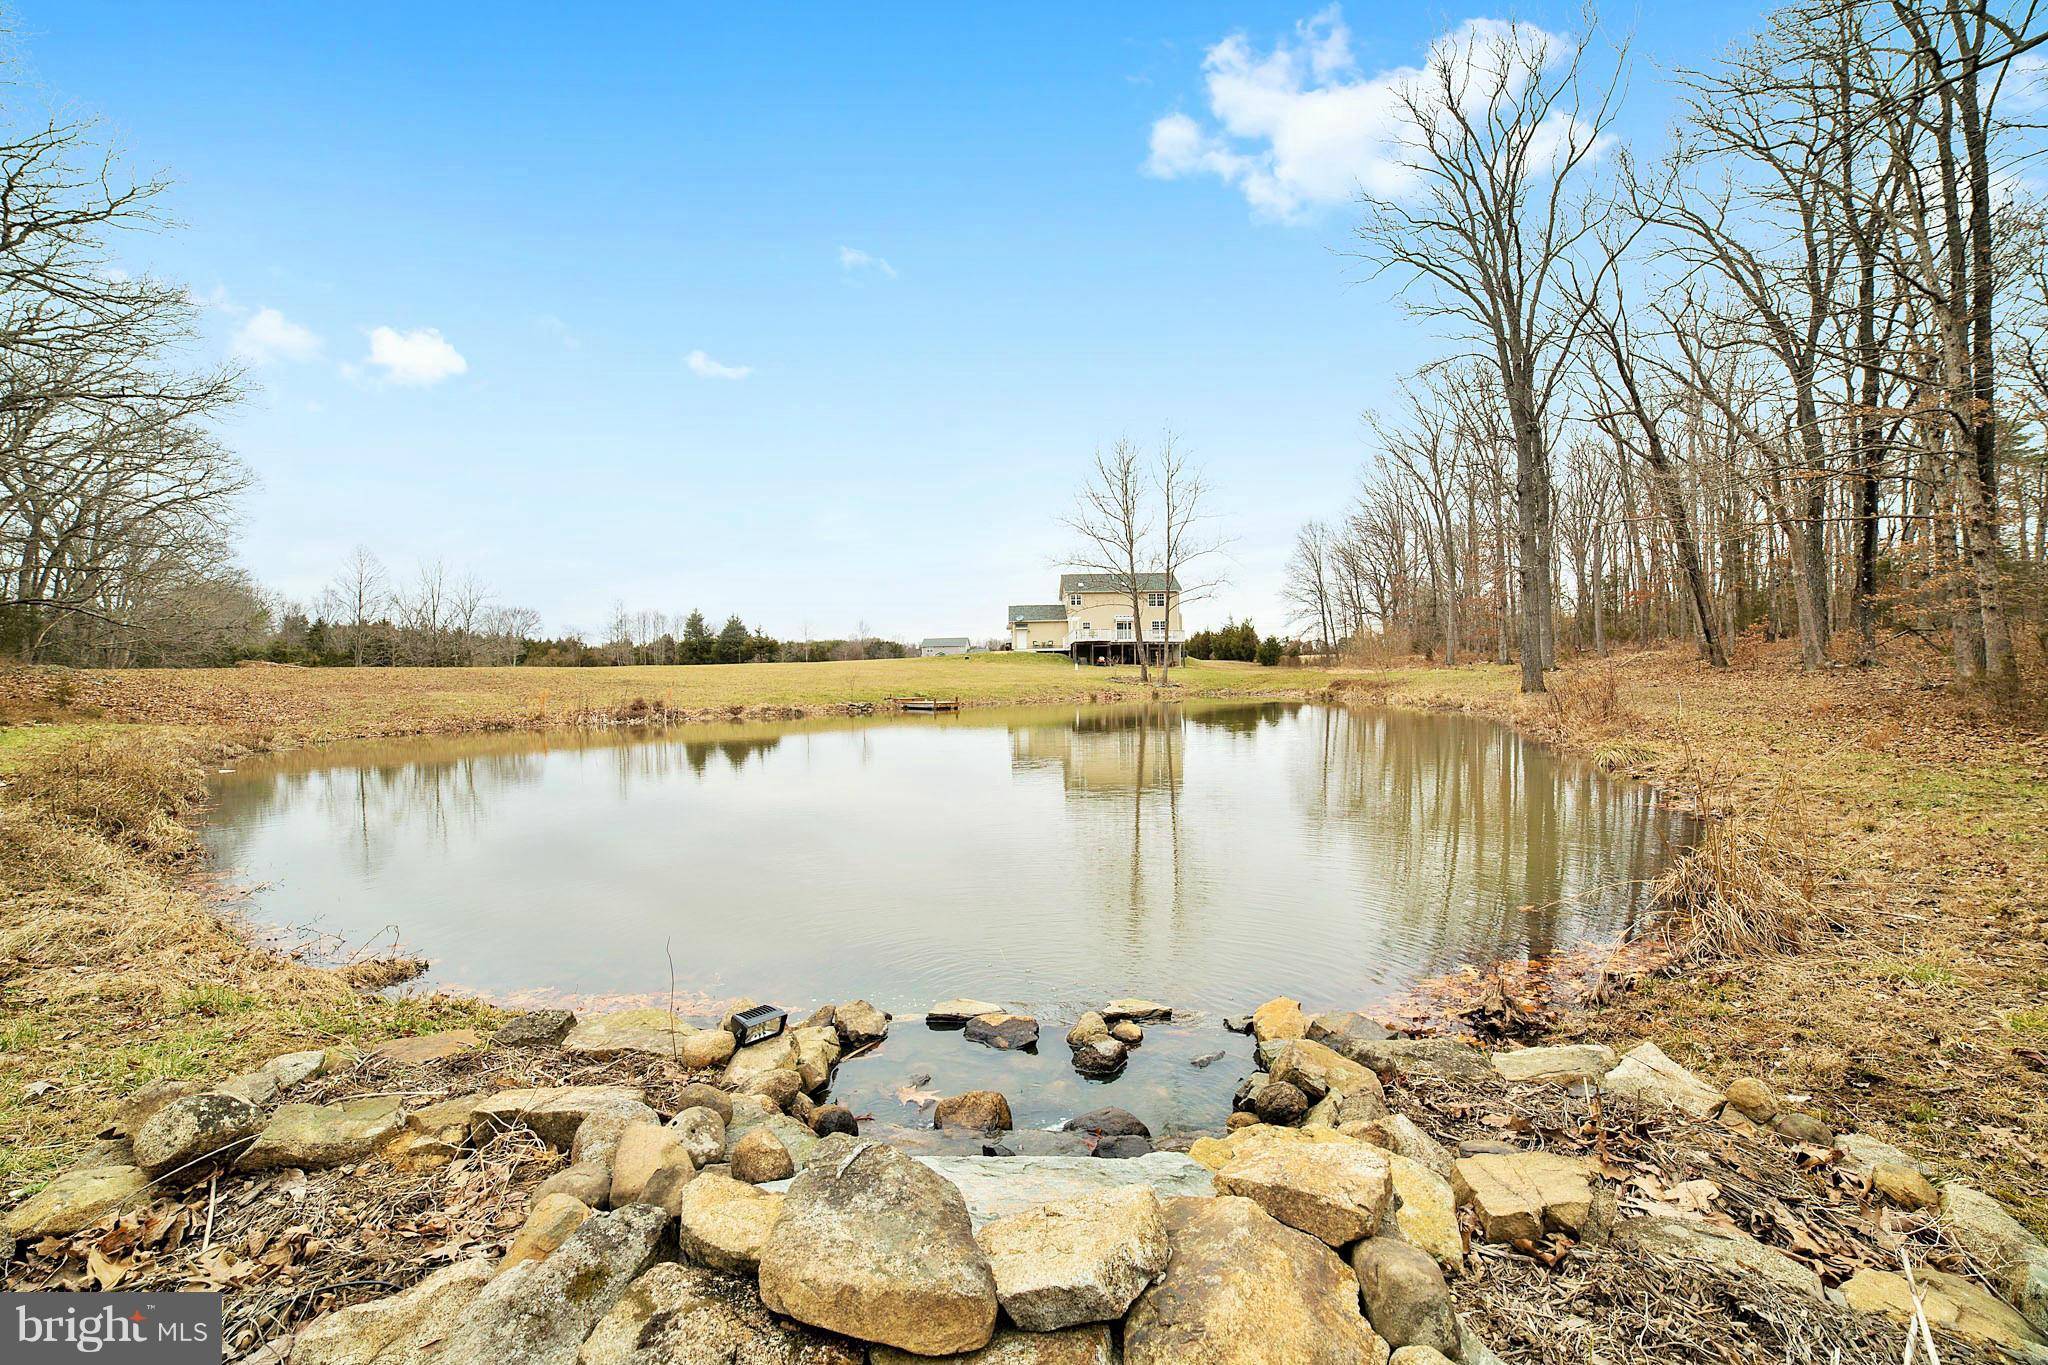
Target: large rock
<point>551,1221</point>
<point>688,1315</point>
<point>654,1032</point>
<point>643,1149</point>
<point>196,1131</point>
<point>1101,1058</point>
<point>1317,1071</point>
<point>1339,1027</point>
<point>760,1156</point>
<point>1090,1028</point>
<point>1342,1110</point>
<point>1280,1019</point>
<point>76,1200</point>
<point>1136,1011</point>
<point>873,1244</point>
<point>1400,1134</point>
<point>810,1052</point>
<point>702,1132</point>
<point>796,1138</point>
<point>538,1312</point>
<point>704,1095</point>
<point>1242,1286</point>
<point>1280,1103</point>
<point>1520,1195</point>
<point>1076,1260</point>
<point>980,1111</point>
<point>2014,1257</point>
<point>1405,1297</point>
<point>554,1114</point>
<point>1646,1075</point>
<point>1216,1153</point>
<point>954,1013</point>
<point>1003,1032</point>
<point>1565,1065</point>
<point>1109,1122</point>
<point>723,1223</point>
<point>1950,1302</point>
<point>407,1326</point>
<point>1445,1058</point>
<point>1861,1154</point>
<point>129,1113</point>
<point>315,1135</point>
<point>1732,1253</point>
<point>535,1028</point>
<point>1094,1345</point>
<point>431,1137</point>
<point>1753,1100</point>
<point>1335,1191</point>
<point>262,1085</point>
<point>998,1186</point>
<point>860,1024</point>
<point>1424,1212</point>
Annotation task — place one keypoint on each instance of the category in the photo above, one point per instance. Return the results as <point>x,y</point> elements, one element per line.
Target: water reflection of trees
<point>1487,837</point>
<point>1105,752</point>
<point>431,793</point>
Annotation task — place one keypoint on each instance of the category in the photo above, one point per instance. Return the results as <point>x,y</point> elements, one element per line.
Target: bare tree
<point>357,598</point>
<point>1112,529</point>
<point>1500,130</point>
<point>1189,543</point>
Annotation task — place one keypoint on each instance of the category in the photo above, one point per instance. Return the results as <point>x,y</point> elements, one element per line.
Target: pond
<point>1210,855</point>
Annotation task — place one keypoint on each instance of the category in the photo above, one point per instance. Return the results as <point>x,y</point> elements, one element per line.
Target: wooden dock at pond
<point>924,704</point>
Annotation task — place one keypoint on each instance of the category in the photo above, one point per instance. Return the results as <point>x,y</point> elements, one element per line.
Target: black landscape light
<point>757,1024</point>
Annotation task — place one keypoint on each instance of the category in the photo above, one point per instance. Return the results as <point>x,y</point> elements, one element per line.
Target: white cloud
<point>416,358</point>
<point>704,367</point>
<point>268,335</point>
<point>1301,127</point>
<point>854,261</point>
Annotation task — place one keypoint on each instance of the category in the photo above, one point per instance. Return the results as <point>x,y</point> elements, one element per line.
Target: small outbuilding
<point>936,645</point>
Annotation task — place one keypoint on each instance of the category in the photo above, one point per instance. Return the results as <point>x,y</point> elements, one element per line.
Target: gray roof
<point>1044,611</point>
<point>1115,582</point>
<point>943,642</point>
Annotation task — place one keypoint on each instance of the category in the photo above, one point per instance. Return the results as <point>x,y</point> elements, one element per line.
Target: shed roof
<point>943,642</point>
<point>1042,611</point>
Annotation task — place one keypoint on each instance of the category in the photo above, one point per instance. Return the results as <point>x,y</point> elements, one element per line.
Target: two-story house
<point>1095,620</point>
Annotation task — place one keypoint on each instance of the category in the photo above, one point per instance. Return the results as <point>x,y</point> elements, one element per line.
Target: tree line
<point>1785,377</point>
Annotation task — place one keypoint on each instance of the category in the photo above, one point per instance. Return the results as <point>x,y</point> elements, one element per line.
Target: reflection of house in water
<point>1124,750</point>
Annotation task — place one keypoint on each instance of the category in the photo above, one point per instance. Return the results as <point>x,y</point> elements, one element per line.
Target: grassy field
<point>1896,834</point>
<point>299,705</point>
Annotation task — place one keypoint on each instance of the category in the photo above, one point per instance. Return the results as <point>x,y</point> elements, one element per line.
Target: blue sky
<point>798,312</point>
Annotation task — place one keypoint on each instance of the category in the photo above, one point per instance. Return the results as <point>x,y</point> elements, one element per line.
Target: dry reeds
<point>1745,887</point>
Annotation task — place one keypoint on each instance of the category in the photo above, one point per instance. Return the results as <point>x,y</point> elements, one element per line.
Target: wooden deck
<point>924,704</point>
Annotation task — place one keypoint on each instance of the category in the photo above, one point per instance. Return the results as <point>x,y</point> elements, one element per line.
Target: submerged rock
<point>1089,1028</point>
<point>954,1013</point>
<point>981,1111</point>
<point>1136,1011</point>
<point>873,1244</point>
<point>1104,1057</point>
<point>1109,1122</point>
<point>1004,1032</point>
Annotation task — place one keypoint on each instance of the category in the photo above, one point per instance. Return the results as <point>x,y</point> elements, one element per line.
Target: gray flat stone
<point>997,1186</point>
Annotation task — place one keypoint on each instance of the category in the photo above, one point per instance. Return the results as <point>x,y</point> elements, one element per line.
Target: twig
<point>212,1198</point>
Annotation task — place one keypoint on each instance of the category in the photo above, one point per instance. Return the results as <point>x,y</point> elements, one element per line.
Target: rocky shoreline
<point>639,1188</point>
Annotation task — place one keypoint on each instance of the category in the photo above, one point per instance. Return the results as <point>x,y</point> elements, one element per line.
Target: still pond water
<point>1210,855</point>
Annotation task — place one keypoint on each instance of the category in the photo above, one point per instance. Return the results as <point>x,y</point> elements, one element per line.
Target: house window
<point>1155,599</point>
<point>1073,599</point>
<point>1123,627</point>
<point>1159,629</point>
